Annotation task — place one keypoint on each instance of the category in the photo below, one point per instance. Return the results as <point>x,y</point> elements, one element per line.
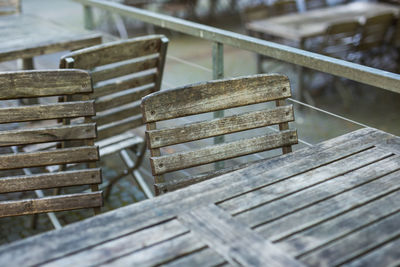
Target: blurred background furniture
<point>36,125</point>
<point>123,72</point>
<point>207,97</point>
<point>8,7</point>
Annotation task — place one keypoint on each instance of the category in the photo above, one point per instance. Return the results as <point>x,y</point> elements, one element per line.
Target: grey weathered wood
<point>27,36</point>
<point>103,54</point>
<point>15,85</point>
<point>46,112</point>
<point>204,257</point>
<point>117,127</point>
<point>49,204</point>
<point>122,98</point>
<point>128,244</point>
<point>112,115</point>
<point>214,95</point>
<point>124,71</point>
<point>144,81</point>
<point>177,161</point>
<point>235,242</point>
<point>230,124</point>
<point>124,68</point>
<point>342,225</point>
<point>357,243</point>
<point>44,158</point>
<point>48,134</point>
<point>305,180</point>
<point>132,218</point>
<point>49,180</point>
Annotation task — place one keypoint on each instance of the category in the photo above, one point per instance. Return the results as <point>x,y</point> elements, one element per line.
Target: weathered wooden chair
<point>122,72</point>
<point>8,7</point>
<point>283,7</point>
<point>37,124</point>
<point>315,4</point>
<point>373,37</point>
<point>208,97</point>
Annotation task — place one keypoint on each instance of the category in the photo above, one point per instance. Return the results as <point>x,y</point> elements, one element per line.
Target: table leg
<point>27,64</point>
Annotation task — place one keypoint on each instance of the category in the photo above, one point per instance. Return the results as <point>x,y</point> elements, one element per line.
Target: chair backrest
<point>374,30</point>
<point>8,7</point>
<point>13,163</point>
<point>282,7</point>
<point>315,4</point>
<point>257,12</point>
<point>122,72</point>
<point>340,39</point>
<point>214,96</point>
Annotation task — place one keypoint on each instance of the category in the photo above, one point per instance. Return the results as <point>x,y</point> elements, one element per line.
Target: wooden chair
<point>36,124</point>
<point>208,97</point>
<point>122,72</point>
<point>8,7</point>
<point>315,4</point>
<point>283,7</point>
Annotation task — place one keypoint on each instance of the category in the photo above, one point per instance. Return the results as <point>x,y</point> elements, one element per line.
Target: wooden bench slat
<point>46,83</point>
<point>183,160</point>
<point>119,127</point>
<point>122,98</point>
<point>45,158</point>
<point>115,86</point>
<point>118,113</point>
<point>89,58</point>
<point>48,134</point>
<point>51,204</point>
<point>125,68</point>
<point>49,180</point>
<point>200,130</point>
<point>47,112</point>
<point>220,95</point>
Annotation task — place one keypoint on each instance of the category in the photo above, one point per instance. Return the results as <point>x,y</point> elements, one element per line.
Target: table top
<point>334,203</point>
<point>299,26</point>
<point>26,36</point>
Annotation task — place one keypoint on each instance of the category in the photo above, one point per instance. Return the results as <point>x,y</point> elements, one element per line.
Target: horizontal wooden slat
<point>118,113</point>
<point>50,204</point>
<point>115,51</point>
<point>231,124</point>
<point>122,98</point>
<point>214,95</point>
<point>43,83</point>
<point>47,112</point>
<point>49,180</point>
<point>210,154</point>
<point>44,158</point>
<point>119,127</point>
<point>115,86</point>
<point>125,68</point>
<point>48,134</point>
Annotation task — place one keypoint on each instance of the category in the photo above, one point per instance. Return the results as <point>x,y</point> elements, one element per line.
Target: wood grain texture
<point>49,180</point>
<point>50,204</point>
<point>59,244</point>
<point>44,158</point>
<point>91,57</point>
<point>47,112</point>
<point>142,81</point>
<point>230,124</point>
<point>48,134</point>
<point>124,68</point>
<point>235,242</point>
<point>15,85</point>
<point>214,153</point>
<point>214,95</point>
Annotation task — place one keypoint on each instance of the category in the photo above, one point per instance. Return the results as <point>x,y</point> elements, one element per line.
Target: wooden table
<point>300,26</point>
<point>335,203</point>
<point>25,36</point>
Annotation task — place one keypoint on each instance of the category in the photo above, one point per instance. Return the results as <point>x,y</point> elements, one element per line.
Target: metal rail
<point>371,76</point>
